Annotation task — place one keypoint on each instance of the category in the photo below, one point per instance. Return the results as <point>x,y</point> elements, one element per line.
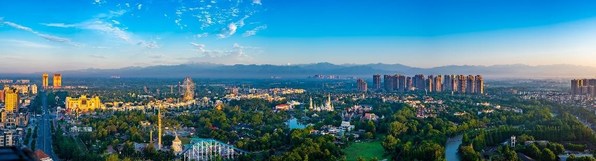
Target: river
<point>294,124</point>
<point>451,148</point>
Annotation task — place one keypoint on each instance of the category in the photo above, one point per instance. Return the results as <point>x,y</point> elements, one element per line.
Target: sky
<point>56,35</point>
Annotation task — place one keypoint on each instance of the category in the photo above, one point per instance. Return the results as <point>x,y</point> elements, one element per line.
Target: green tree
<point>396,128</point>
<point>390,144</point>
<point>548,155</point>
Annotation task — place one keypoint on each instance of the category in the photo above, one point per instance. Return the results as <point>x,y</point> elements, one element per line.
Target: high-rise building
<point>83,104</point>
<point>377,81</point>
<point>11,100</point>
<point>388,82</point>
<point>592,82</point>
<point>430,84</point>
<point>409,84</point>
<point>575,85</point>
<point>362,86</point>
<point>479,88</point>
<point>44,80</point>
<point>470,84</point>
<point>1,95</point>
<point>57,81</point>
<point>447,83</point>
<point>33,89</point>
<point>401,83</point>
<point>454,83</point>
<point>583,87</point>
<point>438,83</point>
<point>419,82</point>
<point>450,83</point>
<point>395,82</point>
<point>189,89</point>
<point>461,87</point>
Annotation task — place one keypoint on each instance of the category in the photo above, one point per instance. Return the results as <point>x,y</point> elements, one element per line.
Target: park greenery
<point>253,125</point>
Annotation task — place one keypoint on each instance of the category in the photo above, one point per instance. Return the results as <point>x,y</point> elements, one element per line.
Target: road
<point>44,138</point>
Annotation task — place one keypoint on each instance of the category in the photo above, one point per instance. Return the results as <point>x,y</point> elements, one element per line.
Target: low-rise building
<point>83,104</point>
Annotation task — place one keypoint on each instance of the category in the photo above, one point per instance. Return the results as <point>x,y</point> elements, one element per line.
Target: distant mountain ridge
<point>206,70</point>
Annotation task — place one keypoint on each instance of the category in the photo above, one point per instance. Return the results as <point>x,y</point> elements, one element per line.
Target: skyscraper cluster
<point>583,87</point>
<point>440,83</point>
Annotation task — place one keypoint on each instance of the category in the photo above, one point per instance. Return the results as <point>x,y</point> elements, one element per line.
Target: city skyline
<point>108,34</point>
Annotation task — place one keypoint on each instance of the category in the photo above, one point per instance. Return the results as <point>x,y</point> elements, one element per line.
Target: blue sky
<point>63,34</point>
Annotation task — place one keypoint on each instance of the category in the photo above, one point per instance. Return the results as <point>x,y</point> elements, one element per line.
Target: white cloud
<point>99,2</point>
<point>257,2</point>
<point>27,44</point>
<point>42,35</point>
<point>202,35</point>
<point>148,44</point>
<point>109,27</point>
<point>111,14</point>
<point>254,31</point>
<point>228,31</point>
<point>241,21</point>
<point>54,38</point>
<point>139,6</point>
<point>62,25</point>
<point>237,54</point>
<point>17,26</point>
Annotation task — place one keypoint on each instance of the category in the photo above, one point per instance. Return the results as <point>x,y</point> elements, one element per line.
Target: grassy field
<point>367,150</point>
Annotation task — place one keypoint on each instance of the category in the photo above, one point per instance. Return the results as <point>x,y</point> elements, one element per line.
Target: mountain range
<point>206,70</point>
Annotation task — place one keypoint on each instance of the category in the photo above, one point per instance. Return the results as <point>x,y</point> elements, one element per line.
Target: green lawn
<point>367,150</point>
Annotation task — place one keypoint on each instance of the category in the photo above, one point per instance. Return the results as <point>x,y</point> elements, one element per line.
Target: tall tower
<point>189,89</point>
<point>430,84</point>
<point>11,100</point>
<point>377,81</point>
<point>462,84</point>
<point>575,86</point>
<point>438,83</point>
<point>44,80</point>
<point>471,84</point>
<point>57,80</point>
<point>479,85</point>
<point>310,107</point>
<point>362,86</point>
<point>159,127</point>
<point>176,144</point>
<point>328,104</point>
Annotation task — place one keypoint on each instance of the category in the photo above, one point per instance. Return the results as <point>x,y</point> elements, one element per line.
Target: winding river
<point>451,148</point>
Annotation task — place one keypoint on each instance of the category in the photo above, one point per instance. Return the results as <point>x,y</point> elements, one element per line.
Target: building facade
<point>57,81</point>
<point>83,104</point>
<point>583,87</point>
<point>362,86</point>
<point>44,80</point>
<point>377,81</point>
<point>11,100</point>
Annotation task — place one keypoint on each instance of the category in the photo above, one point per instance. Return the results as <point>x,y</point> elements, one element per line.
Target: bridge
<point>210,149</point>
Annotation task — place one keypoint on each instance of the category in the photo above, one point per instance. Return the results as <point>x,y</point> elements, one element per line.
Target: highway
<point>44,138</point>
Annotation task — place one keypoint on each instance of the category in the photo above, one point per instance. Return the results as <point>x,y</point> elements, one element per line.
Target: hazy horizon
<point>104,34</point>
<point>344,64</point>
